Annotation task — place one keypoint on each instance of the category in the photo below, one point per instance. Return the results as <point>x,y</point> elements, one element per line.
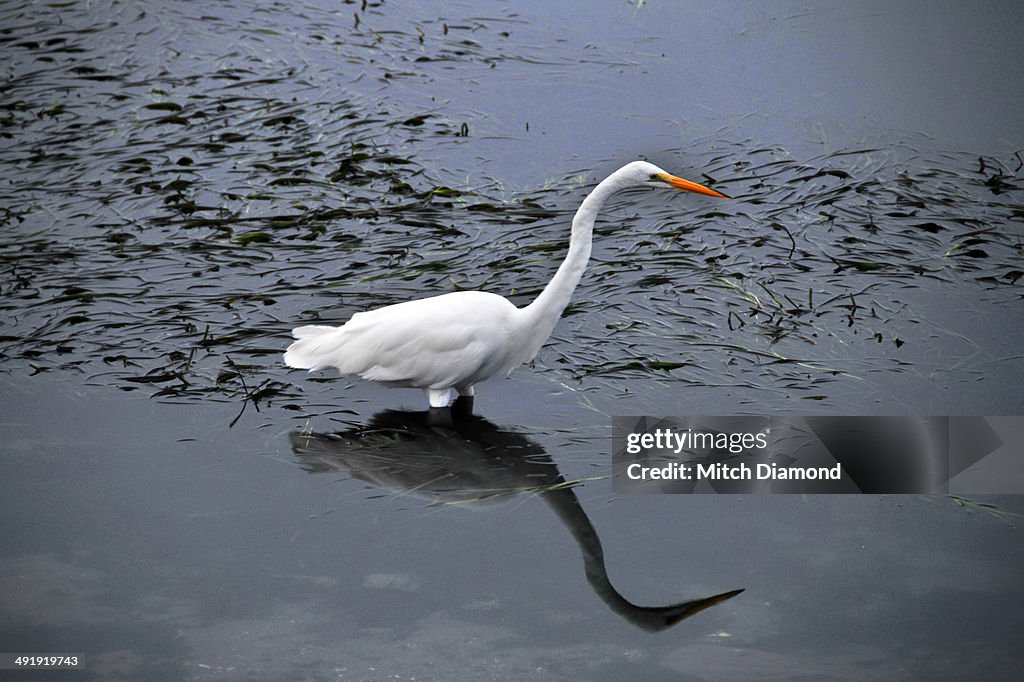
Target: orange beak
<point>688,186</point>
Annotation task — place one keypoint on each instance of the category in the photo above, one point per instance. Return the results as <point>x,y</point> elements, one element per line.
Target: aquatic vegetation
<point>166,220</point>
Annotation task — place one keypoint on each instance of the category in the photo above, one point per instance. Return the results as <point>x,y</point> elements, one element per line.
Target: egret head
<point>643,173</point>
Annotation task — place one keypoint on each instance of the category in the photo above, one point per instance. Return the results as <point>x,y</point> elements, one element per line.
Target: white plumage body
<point>450,341</point>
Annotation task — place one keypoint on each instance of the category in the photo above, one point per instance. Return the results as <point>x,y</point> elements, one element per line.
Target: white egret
<point>446,344</point>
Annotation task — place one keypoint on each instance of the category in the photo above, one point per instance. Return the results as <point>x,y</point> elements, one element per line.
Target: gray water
<point>183,184</point>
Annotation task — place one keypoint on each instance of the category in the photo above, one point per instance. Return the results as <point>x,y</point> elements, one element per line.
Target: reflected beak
<point>688,186</point>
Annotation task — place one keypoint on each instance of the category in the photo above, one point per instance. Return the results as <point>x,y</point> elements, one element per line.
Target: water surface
<point>181,187</point>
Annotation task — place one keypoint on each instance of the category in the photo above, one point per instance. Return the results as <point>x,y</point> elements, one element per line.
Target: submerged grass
<point>1011,518</point>
<point>156,226</point>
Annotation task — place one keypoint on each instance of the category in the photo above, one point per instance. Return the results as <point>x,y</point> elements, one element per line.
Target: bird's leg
<point>439,416</point>
<point>440,397</point>
<point>463,406</point>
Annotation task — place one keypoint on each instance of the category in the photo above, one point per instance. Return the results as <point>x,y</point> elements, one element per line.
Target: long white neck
<point>542,315</point>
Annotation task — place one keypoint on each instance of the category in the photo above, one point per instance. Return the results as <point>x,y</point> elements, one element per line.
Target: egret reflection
<point>471,460</point>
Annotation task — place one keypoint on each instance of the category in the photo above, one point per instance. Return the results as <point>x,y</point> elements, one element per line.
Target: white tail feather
<point>305,353</point>
<point>311,330</point>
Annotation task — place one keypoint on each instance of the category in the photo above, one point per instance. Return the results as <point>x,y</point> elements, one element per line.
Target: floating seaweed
<point>156,225</point>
